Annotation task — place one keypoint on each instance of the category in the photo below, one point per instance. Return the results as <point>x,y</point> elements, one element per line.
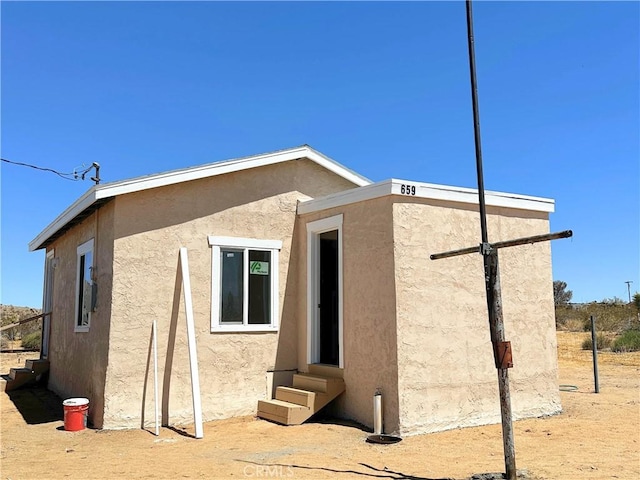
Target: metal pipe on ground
<point>594,349</point>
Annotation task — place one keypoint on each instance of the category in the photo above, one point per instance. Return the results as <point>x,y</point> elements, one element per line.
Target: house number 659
<point>408,189</point>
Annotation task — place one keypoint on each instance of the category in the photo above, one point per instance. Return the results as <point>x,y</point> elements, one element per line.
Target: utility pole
<point>501,348</point>
<point>629,282</point>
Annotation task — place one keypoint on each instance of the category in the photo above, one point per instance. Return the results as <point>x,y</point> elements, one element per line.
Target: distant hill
<point>11,313</point>
<point>11,338</point>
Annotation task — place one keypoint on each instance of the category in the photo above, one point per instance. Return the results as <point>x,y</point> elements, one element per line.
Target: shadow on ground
<point>278,469</point>
<point>37,405</point>
<point>331,420</point>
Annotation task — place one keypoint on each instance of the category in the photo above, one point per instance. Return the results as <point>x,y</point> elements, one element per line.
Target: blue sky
<point>381,87</point>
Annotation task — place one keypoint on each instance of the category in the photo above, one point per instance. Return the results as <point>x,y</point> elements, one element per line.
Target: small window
<point>84,287</point>
<point>231,286</point>
<point>244,294</point>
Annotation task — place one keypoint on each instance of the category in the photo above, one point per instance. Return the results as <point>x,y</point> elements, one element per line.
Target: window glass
<point>84,287</point>
<point>244,284</point>
<point>259,287</point>
<point>87,284</point>
<point>231,291</point>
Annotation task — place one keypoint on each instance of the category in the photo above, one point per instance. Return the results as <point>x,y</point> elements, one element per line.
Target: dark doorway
<point>329,327</point>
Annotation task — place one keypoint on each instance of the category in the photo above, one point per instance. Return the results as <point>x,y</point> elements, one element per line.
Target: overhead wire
<point>74,176</point>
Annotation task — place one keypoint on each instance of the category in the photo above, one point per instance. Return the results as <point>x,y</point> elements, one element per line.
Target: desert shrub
<point>11,334</point>
<point>629,341</point>
<point>611,315</point>
<point>602,342</point>
<point>12,314</point>
<point>32,341</point>
<point>567,316</point>
<point>30,327</point>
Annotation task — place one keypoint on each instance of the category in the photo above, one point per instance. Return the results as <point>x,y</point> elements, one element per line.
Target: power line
<point>45,169</point>
<point>74,177</point>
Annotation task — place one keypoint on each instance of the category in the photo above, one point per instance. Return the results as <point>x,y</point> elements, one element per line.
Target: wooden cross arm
<point>507,243</point>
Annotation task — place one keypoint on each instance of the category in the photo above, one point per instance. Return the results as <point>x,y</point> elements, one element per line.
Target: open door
<point>47,303</point>
<point>324,296</point>
<point>328,316</point>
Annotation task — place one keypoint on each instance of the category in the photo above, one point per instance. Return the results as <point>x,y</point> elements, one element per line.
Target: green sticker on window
<point>259,268</point>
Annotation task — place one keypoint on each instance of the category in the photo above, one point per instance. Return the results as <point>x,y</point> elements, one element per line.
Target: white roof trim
<point>229,166</point>
<point>113,189</point>
<point>65,217</point>
<point>430,191</point>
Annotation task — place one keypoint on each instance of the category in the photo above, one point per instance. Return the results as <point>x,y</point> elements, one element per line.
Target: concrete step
<point>19,373</point>
<point>317,383</point>
<point>19,377</point>
<point>314,383</point>
<point>37,366</point>
<point>294,405</point>
<point>304,398</point>
<point>326,370</point>
<point>286,413</point>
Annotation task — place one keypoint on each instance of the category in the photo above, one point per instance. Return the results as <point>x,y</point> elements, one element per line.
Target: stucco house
<point>302,273</point>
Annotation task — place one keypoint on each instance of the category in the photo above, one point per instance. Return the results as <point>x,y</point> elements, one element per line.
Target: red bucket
<point>75,414</point>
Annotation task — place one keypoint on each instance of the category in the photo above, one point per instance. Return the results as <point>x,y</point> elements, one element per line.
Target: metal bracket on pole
<point>503,355</point>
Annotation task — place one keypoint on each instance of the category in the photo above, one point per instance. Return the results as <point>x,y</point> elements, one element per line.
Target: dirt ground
<point>596,437</point>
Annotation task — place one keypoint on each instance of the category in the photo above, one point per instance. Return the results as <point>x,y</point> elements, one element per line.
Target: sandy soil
<point>596,437</point>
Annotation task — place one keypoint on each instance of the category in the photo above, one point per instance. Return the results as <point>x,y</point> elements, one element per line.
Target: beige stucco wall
<point>418,328</point>
<point>150,227</point>
<point>413,327</point>
<point>369,310</point>
<point>79,359</point>
<point>447,378</point>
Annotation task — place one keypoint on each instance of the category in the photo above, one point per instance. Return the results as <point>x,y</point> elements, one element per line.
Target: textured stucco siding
<point>369,316</point>
<point>447,377</point>
<point>79,359</point>
<point>150,227</point>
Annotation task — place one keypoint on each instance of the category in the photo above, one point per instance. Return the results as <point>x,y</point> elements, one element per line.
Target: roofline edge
<point>428,191</point>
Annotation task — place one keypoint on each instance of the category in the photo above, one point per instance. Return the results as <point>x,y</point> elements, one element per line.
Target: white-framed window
<point>84,287</point>
<point>244,284</point>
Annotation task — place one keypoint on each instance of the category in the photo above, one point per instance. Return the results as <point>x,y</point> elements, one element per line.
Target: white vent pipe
<point>377,413</point>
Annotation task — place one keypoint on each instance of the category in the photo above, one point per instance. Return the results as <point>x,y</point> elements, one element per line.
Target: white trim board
<point>109,190</point>
<point>191,342</point>
<point>429,191</point>
<point>254,243</point>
